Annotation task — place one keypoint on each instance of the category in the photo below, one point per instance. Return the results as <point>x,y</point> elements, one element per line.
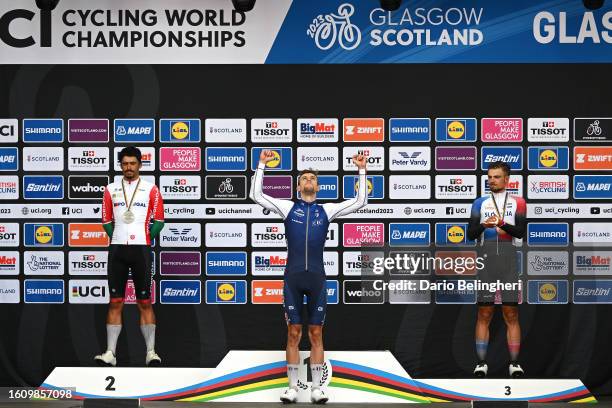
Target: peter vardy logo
<point>401,234</point>
<point>592,187</point>
<point>180,292</point>
<point>335,28</point>
<point>547,234</point>
<point>9,159</point>
<point>43,130</point>
<point>180,130</point>
<point>134,130</point>
<point>226,159</point>
<point>43,187</point>
<point>43,291</point>
<point>512,156</point>
<point>232,292</point>
<point>226,263</point>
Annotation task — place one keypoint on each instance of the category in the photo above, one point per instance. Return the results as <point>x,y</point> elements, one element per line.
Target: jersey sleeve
<point>520,220</point>
<point>278,206</point>
<point>107,207</point>
<point>335,210</point>
<point>475,228</point>
<point>156,203</point>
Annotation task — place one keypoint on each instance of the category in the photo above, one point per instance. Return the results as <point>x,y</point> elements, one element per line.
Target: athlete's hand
<point>360,161</point>
<point>265,156</point>
<point>490,222</point>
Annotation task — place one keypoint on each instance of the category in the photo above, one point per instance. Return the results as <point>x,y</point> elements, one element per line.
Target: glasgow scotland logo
<point>329,29</point>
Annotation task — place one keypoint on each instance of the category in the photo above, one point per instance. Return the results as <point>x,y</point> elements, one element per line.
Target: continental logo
<point>364,130</point>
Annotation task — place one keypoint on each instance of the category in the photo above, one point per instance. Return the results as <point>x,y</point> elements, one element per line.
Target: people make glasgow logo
<point>329,29</point>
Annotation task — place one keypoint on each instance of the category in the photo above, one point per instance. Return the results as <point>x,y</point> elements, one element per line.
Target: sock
<point>315,371</point>
<point>292,373</point>
<point>148,331</point>
<point>481,349</point>
<point>514,348</point>
<point>112,334</point>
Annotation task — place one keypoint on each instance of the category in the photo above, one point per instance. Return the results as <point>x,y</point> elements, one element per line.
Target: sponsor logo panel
<point>225,130</point>
<point>130,292</point>
<point>181,235</point>
<point>362,292</point>
<point>9,159</point>
<point>43,159</point>
<point>455,187</point>
<point>9,187</point>
<point>43,187</point>
<point>410,158</point>
<point>511,155</point>
<point>514,186</point>
<point>547,291</point>
<point>226,235</point>
<point>180,187</point>
<point>547,234</point>
<point>409,234</point>
<point>226,292</point>
<point>593,187</point>
<point>271,130</point>
<point>548,158</point>
<point>88,263</point>
<point>593,158</point>
<point>88,159</point>
<point>548,187</point>
<point>409,187</point>
<point>10,291</point>
<point>9,234</point>
<point>501,129</point>
<point>268,263</point>
<point>453,234</point>
<point>88,130</point>
<point>9,263</point>
<point>328,187</point>
<point>455,158</point>
<point>181,292</point>
<point>547,263</point>
<point>43,291</point>
<point>88,291</point>
<point>148,158</point>
<point>317,130</point>
<point>375,185</point>
<point>363,129</point>
<point>134,130</point>
<point>179,159</point>
<point>87,187</point>
<point>9,130</point>
<point>282,186</point>
<point>409,129</point>
<point>592,291</point>
<point>267,292</point>
<point>548,130</point>
<point>363,234</point>
<point>456,129</point>
<point>226,263</point>
<point>319,158</point>
<point>593,129</point>
<point>180,263</point>
<point>375,157</point>
<point>43,130</point>
<point>180,130</point>
<point>592,233</point>
<point>282,160</point>
<point>592,263</point>
<point>43,263</point>
<point>41,234</point>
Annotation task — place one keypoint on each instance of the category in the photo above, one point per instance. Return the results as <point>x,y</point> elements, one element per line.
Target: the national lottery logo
<point>335,28</point>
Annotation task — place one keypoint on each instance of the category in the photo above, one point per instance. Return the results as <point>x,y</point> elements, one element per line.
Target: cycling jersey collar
<point>130,182</point>
<point>306,202</point>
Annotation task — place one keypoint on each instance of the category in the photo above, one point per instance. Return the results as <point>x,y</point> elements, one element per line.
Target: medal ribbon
<point>133,195</point>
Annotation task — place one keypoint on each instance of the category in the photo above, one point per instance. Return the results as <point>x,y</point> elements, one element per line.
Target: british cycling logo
<point>335,28</point>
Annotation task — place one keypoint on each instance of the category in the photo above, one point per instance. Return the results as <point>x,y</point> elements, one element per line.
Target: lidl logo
<point>375,186</point>
<point>456,129</point>
<point>548,158</point>
<point>542,292</point>
<point>233,292</point>
<point>43,234</point>
<point>452,234</point>
<point>179,130</point>
<point>282,158</point>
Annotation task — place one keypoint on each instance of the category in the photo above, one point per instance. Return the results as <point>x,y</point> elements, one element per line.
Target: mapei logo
<point>452,234</point>
<point>180,130</point>
<point>134,130</point>
<point>592,187</point>
<point>87,235</point>
<point>9,159</point>
<point>512,156</point>
<point>335,28</point>
<point>43,187</point>
<point>548,158</point>
<point>404,234</point>
<point>50,235</point>
<point>232,292</point>
<point>456,129</point>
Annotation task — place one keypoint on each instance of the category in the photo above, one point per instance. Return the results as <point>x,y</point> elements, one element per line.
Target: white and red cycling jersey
<point>147,205</point>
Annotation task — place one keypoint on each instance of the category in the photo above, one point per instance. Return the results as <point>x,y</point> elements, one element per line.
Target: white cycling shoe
<point>317,396</point>
<point>106,359</point>
<point>152,359</point>
<point>481,370</point>
<point>289,396</point>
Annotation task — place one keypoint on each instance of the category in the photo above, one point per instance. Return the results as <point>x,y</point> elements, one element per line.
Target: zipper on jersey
<point>306,243</point>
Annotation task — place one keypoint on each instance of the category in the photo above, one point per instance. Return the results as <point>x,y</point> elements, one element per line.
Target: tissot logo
<point>180,187</point>
<point>86,187</point>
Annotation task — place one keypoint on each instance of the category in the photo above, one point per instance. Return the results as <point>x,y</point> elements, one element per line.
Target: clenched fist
<point>360,161</point>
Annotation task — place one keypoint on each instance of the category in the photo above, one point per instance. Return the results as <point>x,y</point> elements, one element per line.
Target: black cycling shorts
<point>123,259</point>
<point>500,264</point>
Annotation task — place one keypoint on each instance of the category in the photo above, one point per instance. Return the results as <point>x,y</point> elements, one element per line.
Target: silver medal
<point>128,217</point>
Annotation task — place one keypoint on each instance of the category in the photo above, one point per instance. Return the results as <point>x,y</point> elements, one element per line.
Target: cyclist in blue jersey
<point>306,225</point>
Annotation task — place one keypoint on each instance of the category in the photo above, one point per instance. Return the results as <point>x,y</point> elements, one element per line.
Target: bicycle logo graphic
<point>594,129</point>
<point>226,186</point>
<point>329,29</point>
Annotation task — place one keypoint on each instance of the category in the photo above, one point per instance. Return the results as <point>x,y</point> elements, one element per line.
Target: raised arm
<point>278,206</point>
<point>335,210</point>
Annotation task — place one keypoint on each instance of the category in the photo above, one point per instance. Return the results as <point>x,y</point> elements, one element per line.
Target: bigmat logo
<point>88,130</point>
<point>9,263</point>
<point>48,235</point>
<point>409,129</point>
<point>43,291</point>
<point>180,292</point>
<point>592,187</point>
<point>180,187</point>
<point>9,187</point>
<point>9,130</point>
<point>229,292</point>
<point>225,130</point>
<point>226,263</point>
<point>514,186</point>
<point>362,292</point>
<point>282,158</point>
<point>43,187</point>
<point>85,291</point>
<point>328,187</point>
<point>43,130</point>
<point>363,235</point>
<point>593,158</point>
<point>455,158</point>
<point>364,129</point>
<point>180,130</point>
<point>593,263</point>
<point>501,129</point>
<point>317,130</point>
<point>547,233</point>
<point>409,234</point>
<point>88,158</point>
<point>593,129</point>
<point>180,263</point>
<point>43,158</point>
<point>592,233</point>
<point>453,234</point>
<point>271,130</point>
<point>320,158</point>
<point>547,291</point>
<point>548,130</point>
<point>267,292</point>
<point>86,187</point>
<point>268,263</point>
<point>226,235</point>
<point>593,291</point>
<point>547,187</point>
<point>9,234</point>
<point>43,263</point>
<point>548,158</point>
<point>375,185</point>
<point>87,235</point>
<point>87,262</point>
<point>456,129</point>
<point>9,291</point>
<point>179,159</point>
<point>148,158</point>
<point>406,158</point>
<point>134,130</point>
<point>512,156</point>
<point>9,159</point>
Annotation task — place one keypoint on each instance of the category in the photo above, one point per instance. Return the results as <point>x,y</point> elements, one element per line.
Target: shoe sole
<point>515,375</point>
<point>102,363</point>
<point>288,401</point>
<point>480,375</point>
<point>154,363</point>
<point>320,402</point>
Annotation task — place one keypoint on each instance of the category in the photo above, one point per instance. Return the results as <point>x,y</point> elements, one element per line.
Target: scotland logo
<point>329,29</point>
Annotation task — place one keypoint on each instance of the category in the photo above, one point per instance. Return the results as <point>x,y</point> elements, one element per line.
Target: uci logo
<point>10,20</point>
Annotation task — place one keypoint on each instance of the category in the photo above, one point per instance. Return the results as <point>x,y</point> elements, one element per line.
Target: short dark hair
<point>130,151</point>
<point>500,165</point>
<point>307,171</point>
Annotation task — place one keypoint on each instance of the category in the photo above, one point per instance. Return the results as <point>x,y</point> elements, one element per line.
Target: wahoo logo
<point>86,187</point>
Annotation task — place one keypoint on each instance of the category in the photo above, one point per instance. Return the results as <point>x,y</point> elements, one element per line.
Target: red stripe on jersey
<point>107,207</point>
